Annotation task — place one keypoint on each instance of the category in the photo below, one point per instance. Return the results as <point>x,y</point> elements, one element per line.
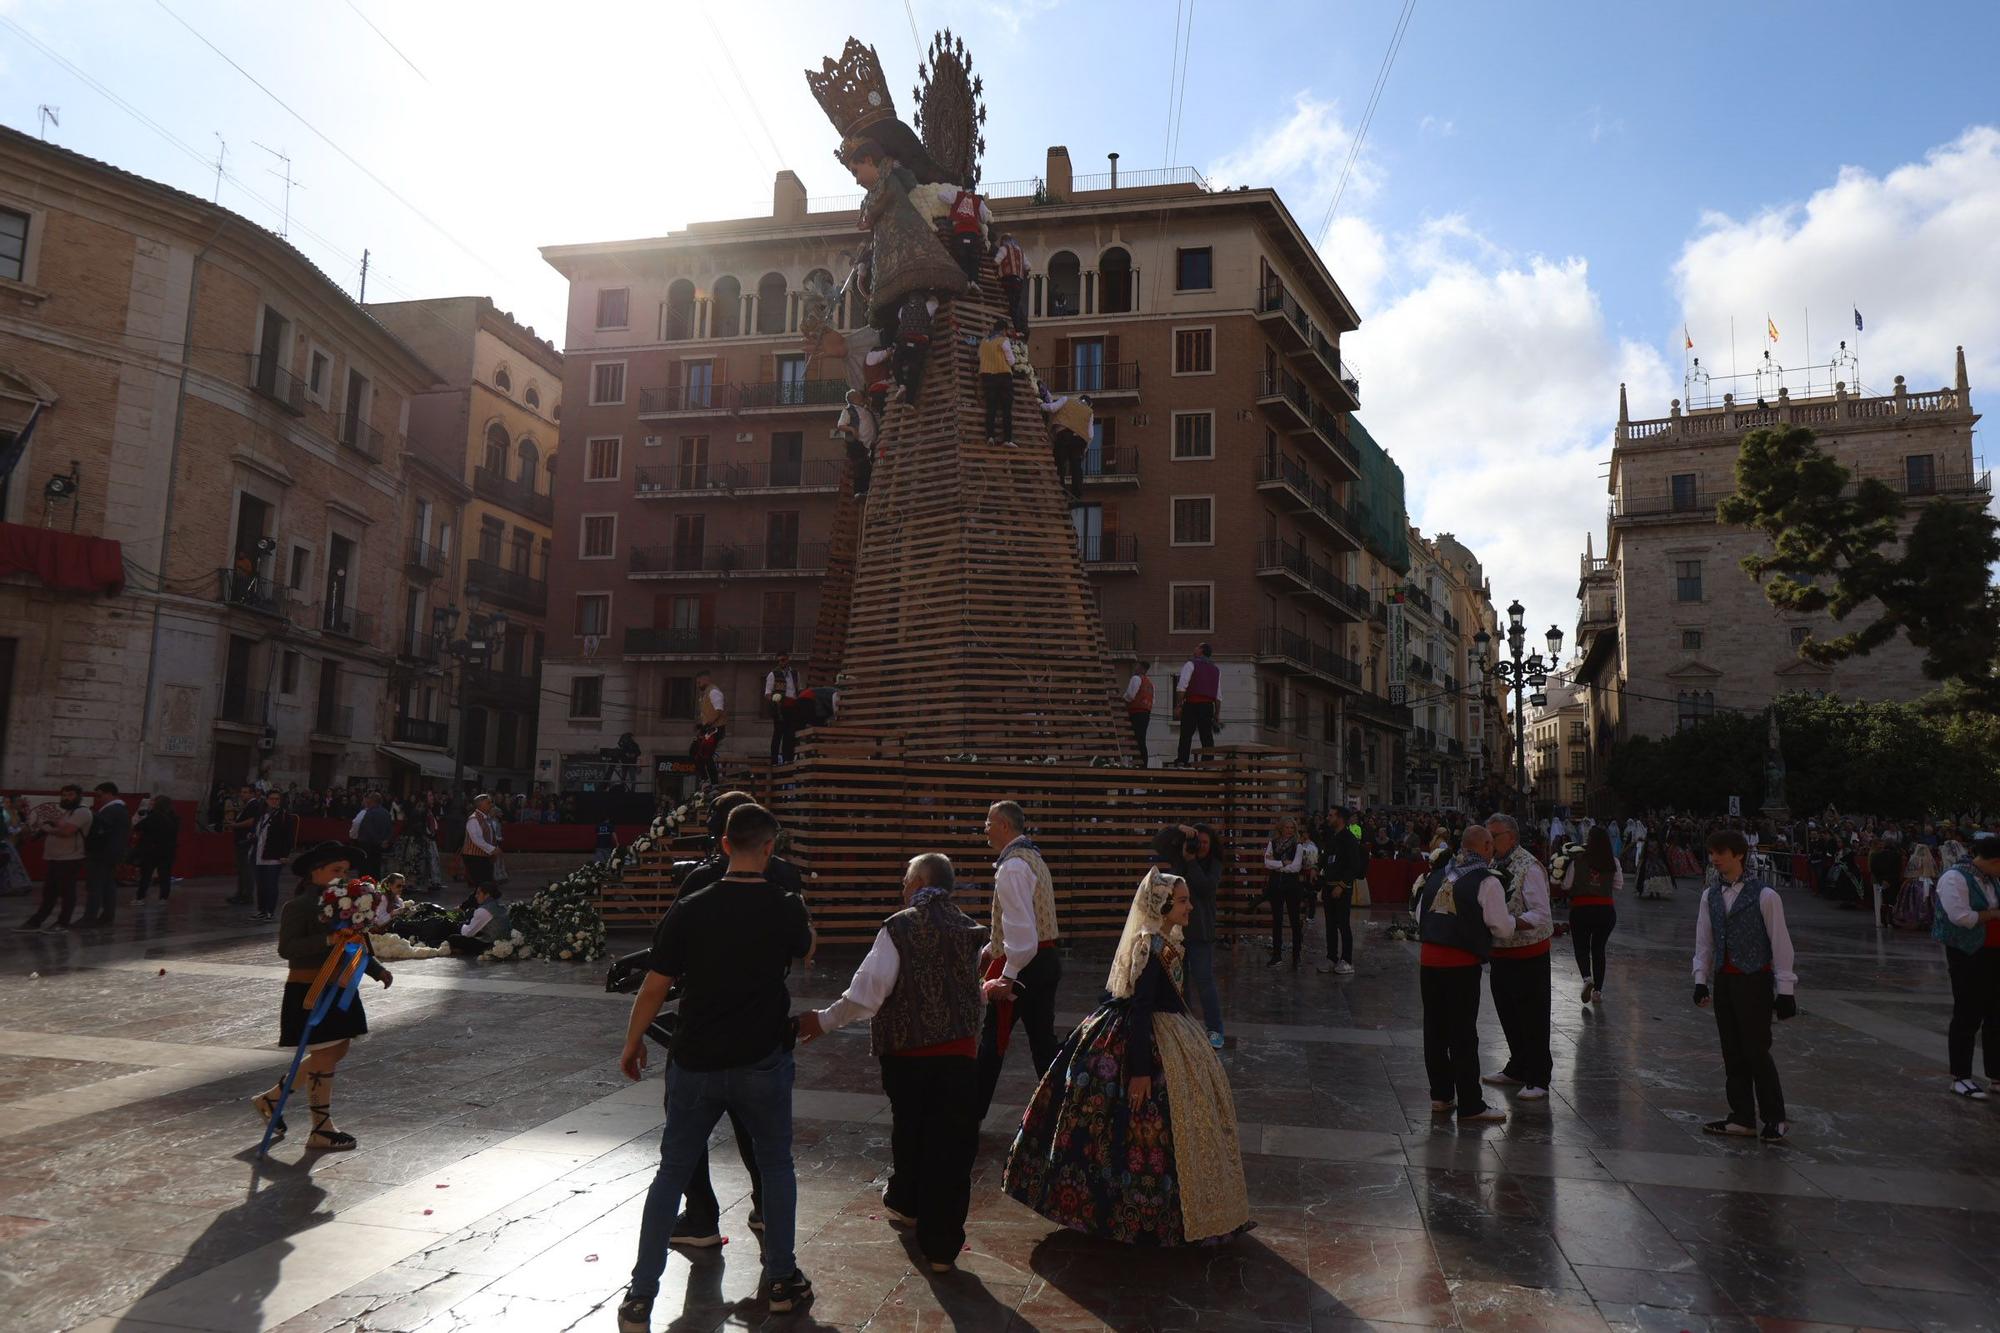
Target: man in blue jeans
<point>728,946</point>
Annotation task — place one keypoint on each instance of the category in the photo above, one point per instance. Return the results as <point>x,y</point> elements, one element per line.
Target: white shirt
<point>354,829</point>
<point>475,836</point>
<point>715,698</point>
<point>1773,908</point>
<point>1291,867</point>
<point>786,681</point>
<point>481,918</point>
<point>869,990</point>
<point>1014,890</point>
<point>1132,687</point>
<point>1954,899</point>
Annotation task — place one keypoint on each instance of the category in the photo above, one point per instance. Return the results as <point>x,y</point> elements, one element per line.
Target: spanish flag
<point>1770,328</point>
<point>1686,339</point>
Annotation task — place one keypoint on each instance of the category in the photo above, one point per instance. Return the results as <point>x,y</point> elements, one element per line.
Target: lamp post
<point>1520,674</point>
<point>482,633</point>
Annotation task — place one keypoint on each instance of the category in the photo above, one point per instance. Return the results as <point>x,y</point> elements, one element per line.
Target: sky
<point>1546,196</point>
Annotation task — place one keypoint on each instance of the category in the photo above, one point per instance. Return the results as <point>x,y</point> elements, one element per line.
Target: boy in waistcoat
<point>1460,912</point>
<point>1023,969</point>
<point>1743,966</point>
<point>920,986</point>
<point>1519,972</point>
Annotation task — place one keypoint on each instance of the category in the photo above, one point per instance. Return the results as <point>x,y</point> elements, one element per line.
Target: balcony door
<point>787,456</point>
<point>791,380</point>
<point>781,539</point>
<point>1086,364</point>
<point>339,569</point>
<point>692,465</point>
<point>700,382</point>
<point>1089,523</point>
<point>690,530</point>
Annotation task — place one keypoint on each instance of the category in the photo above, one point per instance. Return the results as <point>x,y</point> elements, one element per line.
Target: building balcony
<point>1121,637</point>
<point>1422,738</point>
<point>1103,381</point>
<point>1283,562</point>
<point>1418,669</point>
<point>781,560</point>
<point>1284,397</point>
<point>340,619</point>
<point>1110,467</point>
<point>1283,318</point>
<point>687,400</point>
<point>422,731</point>
<point>511,588</point>
<point>1344,599</point>
<point>1288,650</point>
<point>1379,710</point>
<point>239,705</point>
<point>789,396</point>
<point>250,592</point>
<point>669,644</point>
<point>424,562</point>
<point>1331,664</point>
<point>418,645</point>
<point>1323,362</point>
<point>1331,429</point>
<point>518,495</point>
<point>680,481</point>
<point>275,384</point>
<point>357,435</point>
<point>499,689</point>
<point>1109,553</point>
<point>334,720</point>
<point>669,561</point>
<point>809,476</point>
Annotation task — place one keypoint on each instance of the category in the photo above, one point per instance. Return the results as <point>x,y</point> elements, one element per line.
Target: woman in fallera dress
<point>1132,1134</point>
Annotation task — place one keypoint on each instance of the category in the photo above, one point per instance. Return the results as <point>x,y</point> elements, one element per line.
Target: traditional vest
<point>1142,699</point>
<point>1512,871</point>
<point>497,926</point>
<point>936,996</point>
<point>1980,894</point>
<point>1045,895</point>
<point>1074,416</point>
<point>1012,260</point>
<point>1204,683</point>
<point>965,214</point>
<point>709,712</point>
<point>1450,910</point>
<point>993,356</point>
<point>1738,933</point>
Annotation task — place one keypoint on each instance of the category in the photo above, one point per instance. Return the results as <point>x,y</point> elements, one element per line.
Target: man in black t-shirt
<point>728,946</point>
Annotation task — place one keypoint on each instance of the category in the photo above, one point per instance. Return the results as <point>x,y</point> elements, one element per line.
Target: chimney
<point>1057,177</point>
<point>788,198</point>
<point>1114,171</point>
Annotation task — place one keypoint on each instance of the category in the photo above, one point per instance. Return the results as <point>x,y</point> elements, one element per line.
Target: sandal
<point>269,1110</point>
<point>331,1140</point>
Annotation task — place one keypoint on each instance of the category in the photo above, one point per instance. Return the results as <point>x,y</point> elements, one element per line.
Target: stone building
<point>1559,749</point>
<point>1671,629</point>
<point>1229,496</point>
<point>498,424</point>
<point>224,414</point>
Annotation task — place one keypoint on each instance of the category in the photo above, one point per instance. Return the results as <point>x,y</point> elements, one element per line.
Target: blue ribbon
<point>328,998</point>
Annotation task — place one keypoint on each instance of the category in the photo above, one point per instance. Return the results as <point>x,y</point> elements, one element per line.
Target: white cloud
<point>1302,157</point>
<point>1917,250</point>
<point>1442,126</point>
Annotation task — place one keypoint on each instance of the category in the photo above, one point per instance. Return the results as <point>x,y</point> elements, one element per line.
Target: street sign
<point>1736,807</point>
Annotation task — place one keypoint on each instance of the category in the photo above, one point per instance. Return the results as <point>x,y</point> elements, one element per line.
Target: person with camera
<point>729,946</point>
<point>1345,867</point>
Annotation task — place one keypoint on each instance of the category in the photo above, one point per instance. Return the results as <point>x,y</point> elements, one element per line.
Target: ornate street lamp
<point>1524,676</point>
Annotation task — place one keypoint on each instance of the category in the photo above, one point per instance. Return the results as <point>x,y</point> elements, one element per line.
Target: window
<point>1194,520</point>
<point>691,473</point>
<point>725,308</point>
<point>301,569</point>
<point>677,697</point>
<point>593,613</point>
<point>791,380</point>
<point>781,539</point>
<point>1576,793</point>
<point>1920,474</point>
<point>496,451</point>
<point>1694,705</point>
<point>1687,580</point>
<point>607,382</point>
<point>1270,703</point>
<point>788,452</point>
<point>1114,282</point>
<point>1690,640</point>
<point>1301,712</point>
<point>773,307</point>
<point>1194,351</point>
<point>1799,633</point>
<point>491,532</point>
<point>600,460</point>
<point>319,374</point>
<point>699,381</point>
<point>1191,608</point>
<point>1686,495</point>
<point>678,315</point>
<point>1088,520</point>
<point>13,244</point>
<point>1194,269</point>
<point>533,396</point>
<point>586,697</point>
<point>502,380</point>
<point>612,305</point>
<point>1065,284</point>
<point>600,536</point>
<point>1194,435</point>
<point>288,673</point>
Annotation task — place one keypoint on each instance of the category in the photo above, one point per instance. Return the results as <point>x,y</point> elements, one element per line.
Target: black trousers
<point>1590,928</point>
<point>470,945</point>
<point>999,395</point>
<point>1034,1010</point>
<point>970,248</point>
<point>698,1201</point>
<point>152,869</point>
<point>933,1139</point>
<point>58,886</point>
<point>1337,897</point>
<point>1743,1021</point>
<point>371,857</point>
<point>1197,717</point>
<point>784,736</point>
<point>863,465</point>
<point>708,769</point>
<point>1287,900</point>
<point>1140,722</point>
<point>1451,1035</point>
<point>1069,449</point>
<point>1017,302</point>
<point>1975,1009</point>
<point>1521,998</point>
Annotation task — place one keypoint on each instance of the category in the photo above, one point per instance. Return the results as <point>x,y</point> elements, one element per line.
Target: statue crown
<point>853,93</point>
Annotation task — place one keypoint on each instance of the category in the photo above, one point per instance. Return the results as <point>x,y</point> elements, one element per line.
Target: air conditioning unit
<point>744,436</point>
<point>654,441</point>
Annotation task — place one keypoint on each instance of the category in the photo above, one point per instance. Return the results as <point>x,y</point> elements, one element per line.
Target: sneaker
<point>1491,1115</point>
<point>1776,1131</point>
<point>787,1293</point>
<point>1215,1040</point>
<point>1534,1094</point>
<point>1500,1080</point>
<point>695,1236</point>
<point>635,1315</point>
<point>1343,968</point>
<point>1965,1087</point>
<point>56,928</point>
<point>1588,988</point>
<point>1325,969</point>
<point>1730,1129</point>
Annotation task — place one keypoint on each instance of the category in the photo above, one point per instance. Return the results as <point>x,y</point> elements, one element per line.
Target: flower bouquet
<point>349,904</point>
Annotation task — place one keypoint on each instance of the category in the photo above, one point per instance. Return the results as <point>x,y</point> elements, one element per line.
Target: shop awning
<point>428,762</point>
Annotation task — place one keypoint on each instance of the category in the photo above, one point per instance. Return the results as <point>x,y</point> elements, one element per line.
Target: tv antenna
<point>221,156</point>
<point>285,227</point>
<point>48,115</point>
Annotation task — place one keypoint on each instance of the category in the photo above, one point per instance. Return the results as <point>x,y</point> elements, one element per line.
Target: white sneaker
<point>1965,1087</point>
<point>1326,969</point>
<point>1344,968</point>
<point>1533,1094</point>
<point>1500,1080</point>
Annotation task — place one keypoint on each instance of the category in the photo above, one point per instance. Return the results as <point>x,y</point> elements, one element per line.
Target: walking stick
<point>349,962</point>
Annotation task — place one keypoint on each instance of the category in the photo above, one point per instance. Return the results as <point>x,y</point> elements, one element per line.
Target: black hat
<point>324,853</point>
<point>1986,845</point>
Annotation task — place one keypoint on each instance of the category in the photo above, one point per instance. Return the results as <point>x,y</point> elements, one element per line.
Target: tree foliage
<point>1836,548</point>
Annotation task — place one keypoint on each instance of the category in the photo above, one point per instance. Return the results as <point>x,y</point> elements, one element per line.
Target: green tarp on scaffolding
<point>1384,525</point>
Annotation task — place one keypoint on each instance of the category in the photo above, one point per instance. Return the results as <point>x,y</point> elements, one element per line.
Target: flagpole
<point>1808,350</point>
<point>1732,351</point>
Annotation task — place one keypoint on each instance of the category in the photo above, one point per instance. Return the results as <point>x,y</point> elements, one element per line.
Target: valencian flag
<point>1770,328</point>
<point>1685,338</point>
<point>1857,319</point>
<point>10,453</point>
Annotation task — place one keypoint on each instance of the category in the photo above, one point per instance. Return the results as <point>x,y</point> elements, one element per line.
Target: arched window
<point>771,312</point>
<point>819,280</point>
<point>531,462</point>
<point>502,380</point>
<point>1065,282</point>
<point>496,449</point>
<point>532,396</point>
<point>726,318</point>
<point>680,310</point>
<point>1114,282</point>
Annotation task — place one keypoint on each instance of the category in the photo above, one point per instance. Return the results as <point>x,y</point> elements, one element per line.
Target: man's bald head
<point>1476,840</point>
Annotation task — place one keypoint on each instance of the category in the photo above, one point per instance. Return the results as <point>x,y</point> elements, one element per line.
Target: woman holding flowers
<point>325,912</point>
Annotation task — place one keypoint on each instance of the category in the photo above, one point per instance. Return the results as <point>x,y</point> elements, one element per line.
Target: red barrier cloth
<point>1389,881</point>
<point>65,561</point>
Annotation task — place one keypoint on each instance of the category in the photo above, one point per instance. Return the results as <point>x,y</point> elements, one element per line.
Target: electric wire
<point>1180,103</point>
<point>1368,116</point>
<point>386,42</point>
<point>1173,77</point>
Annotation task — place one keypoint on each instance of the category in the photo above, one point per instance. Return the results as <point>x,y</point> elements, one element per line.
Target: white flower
<point>565,953</point>
<point>345,902</point>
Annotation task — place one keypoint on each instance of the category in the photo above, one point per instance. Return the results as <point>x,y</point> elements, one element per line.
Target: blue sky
<point>1545,194</point>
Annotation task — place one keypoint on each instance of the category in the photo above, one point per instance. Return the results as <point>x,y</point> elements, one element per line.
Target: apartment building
<point>229,427</point>
<point>1229,494</point>
<point>497,424</point>
<point>1669,626</point>
<point>1559,749</point>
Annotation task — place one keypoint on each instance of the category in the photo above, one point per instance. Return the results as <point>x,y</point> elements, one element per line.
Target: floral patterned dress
<point>1167,1171</point>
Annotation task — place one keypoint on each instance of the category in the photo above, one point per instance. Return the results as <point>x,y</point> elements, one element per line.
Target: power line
<point>1173,77</point>
<point>1361,131</point>
<point>915,39</point>
<point>1180,104</point>
<point>776,152</point>
<point>386,42</point>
